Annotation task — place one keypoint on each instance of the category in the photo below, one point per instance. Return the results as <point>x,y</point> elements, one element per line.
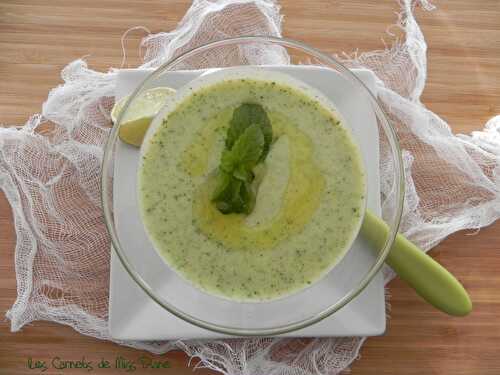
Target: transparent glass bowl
<point>376,140</point>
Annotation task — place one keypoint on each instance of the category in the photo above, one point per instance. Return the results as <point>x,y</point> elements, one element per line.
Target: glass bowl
<point>376,140</point>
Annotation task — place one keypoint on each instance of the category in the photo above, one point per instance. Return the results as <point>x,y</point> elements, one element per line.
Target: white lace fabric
<point>50,173</point>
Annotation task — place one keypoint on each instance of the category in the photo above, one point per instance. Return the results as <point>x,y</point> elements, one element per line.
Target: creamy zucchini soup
<point>251,188</point>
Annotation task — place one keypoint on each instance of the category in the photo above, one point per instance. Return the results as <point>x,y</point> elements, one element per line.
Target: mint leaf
<point>248,148</point>
<point>222,184</point>
<point>237,197</point>
<point>248,140</point>
<point>227,197</point>
<point>248,195</point>
<point>243,174</point>
<point>243,117</point>
<point>245,153</point>
<point>228,161</point>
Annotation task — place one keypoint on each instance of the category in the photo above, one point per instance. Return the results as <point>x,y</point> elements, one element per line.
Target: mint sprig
<point>247,143</point>
<point>244,116</point>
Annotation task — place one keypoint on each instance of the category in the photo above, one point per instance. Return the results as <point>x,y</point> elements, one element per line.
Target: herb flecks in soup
<point>309,193</point>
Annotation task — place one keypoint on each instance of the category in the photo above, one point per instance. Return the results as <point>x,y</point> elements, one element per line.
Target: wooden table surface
<point>463,87</point>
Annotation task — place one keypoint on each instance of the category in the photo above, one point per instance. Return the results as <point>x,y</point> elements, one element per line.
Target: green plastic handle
<point>429,279</point>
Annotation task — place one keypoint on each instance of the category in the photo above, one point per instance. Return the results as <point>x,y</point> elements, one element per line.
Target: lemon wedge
<point>144,108</point>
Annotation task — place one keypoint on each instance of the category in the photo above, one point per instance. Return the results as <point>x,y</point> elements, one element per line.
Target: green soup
<point>309,202</point>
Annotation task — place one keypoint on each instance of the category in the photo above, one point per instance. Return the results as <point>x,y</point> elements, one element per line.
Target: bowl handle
<point>429,279</point>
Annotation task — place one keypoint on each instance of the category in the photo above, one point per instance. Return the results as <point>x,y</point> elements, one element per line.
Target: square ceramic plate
<point>134,316</point>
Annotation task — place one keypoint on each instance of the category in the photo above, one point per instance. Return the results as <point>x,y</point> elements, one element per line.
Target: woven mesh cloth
<point>49,171</point>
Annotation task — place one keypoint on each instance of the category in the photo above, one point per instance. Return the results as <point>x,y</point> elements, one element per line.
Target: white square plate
<point>135,316</point>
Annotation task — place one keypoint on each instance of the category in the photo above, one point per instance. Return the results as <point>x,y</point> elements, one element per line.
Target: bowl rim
<point>106,187</point>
